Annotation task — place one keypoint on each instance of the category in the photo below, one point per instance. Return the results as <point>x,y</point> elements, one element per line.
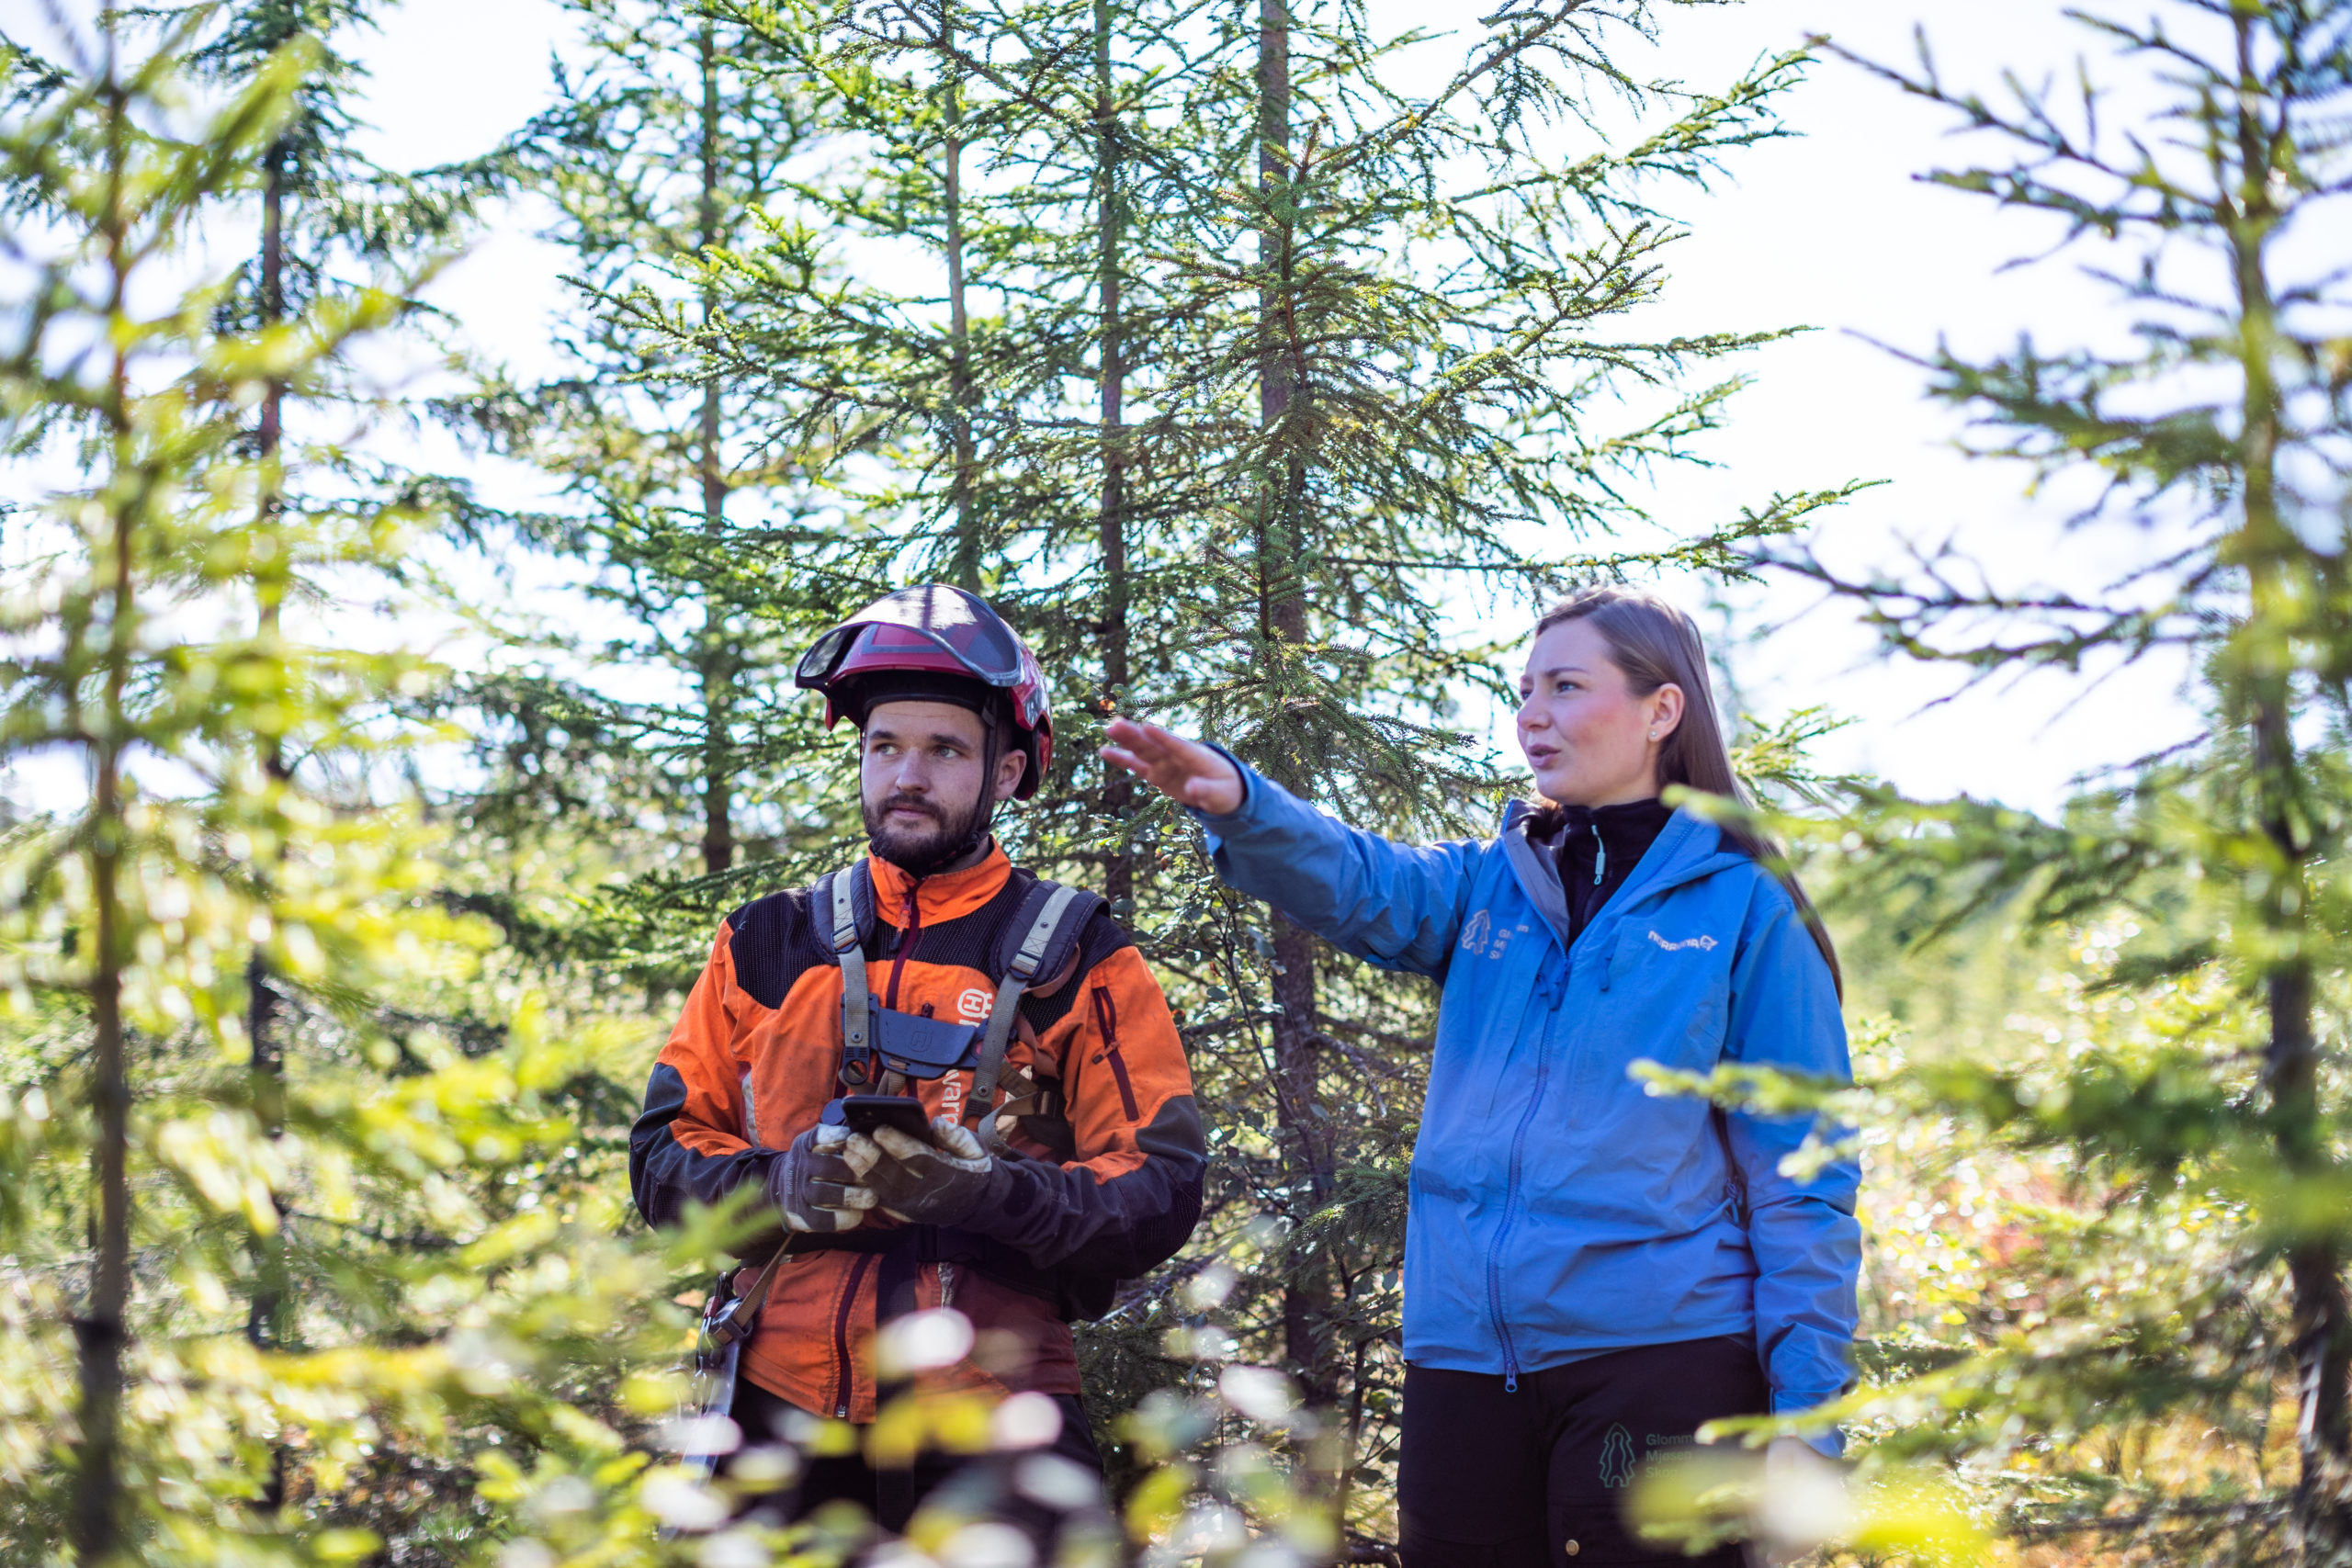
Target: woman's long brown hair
<point>1656,645</point>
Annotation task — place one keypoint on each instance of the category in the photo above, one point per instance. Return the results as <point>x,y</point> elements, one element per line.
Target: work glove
<point>912,1180</point>
<point>814,1186</point>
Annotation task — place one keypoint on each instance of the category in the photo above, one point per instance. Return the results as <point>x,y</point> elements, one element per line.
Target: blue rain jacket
<point>1557,1210</point>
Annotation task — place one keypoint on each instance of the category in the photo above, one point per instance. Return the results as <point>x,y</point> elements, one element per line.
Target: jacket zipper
<point>907,939</point>
<point>1510,1214</point>
<point>1519,1148</point>
<point>841,1335</point>
<point>1106,1018</point>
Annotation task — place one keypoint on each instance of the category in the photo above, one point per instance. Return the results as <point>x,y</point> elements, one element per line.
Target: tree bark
<point>273,312</point>
<point>100,1331</point>
<point>1305,1130</point>
<point>267,1313</point>
<point>2321,1330</point>
<point>967,552</point>
<point>716,655</point>
<point>1118,788</point>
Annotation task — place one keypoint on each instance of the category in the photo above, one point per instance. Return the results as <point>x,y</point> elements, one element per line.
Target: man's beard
<point>919,851</point>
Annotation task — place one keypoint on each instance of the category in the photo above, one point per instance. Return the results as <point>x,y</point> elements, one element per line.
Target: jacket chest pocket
<point>1668,996</point>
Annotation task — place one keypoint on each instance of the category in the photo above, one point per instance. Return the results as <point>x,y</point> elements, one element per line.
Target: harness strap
<point>1018,973</point>
<point>1037,1103</point>
<point>849,951</point>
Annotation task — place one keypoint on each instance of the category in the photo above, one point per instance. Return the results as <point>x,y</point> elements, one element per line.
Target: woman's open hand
<point>1185,771</point>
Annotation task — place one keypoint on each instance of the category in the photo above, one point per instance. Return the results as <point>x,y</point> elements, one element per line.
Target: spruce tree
<point>694,506</point>
<point>1071,174</point>
<point>328,219</point>
<point>151,1196</point>
<point>891,304</point>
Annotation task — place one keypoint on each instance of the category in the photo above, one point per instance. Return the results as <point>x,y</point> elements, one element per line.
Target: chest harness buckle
<point>875,1039</point>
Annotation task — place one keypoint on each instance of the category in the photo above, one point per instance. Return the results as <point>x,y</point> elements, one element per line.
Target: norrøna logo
<point>1617,1457</point>
<point>1703,944</point>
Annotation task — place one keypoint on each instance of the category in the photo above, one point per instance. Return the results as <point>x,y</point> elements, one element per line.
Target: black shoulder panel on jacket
<point>1102,937</point>
<point>773,943</point>
<point>664,1175</point>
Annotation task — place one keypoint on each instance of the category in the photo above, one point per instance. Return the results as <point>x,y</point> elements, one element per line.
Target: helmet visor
<point>948,618</point>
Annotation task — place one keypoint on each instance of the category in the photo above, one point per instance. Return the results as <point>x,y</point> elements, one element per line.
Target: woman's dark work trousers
<point>1539,1477</point>
<point>889,1498</point>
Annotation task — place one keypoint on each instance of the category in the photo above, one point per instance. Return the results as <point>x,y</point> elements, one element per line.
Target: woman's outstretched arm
<point>1397,905</point>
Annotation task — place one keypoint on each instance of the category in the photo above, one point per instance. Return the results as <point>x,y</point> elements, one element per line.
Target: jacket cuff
<point>1829,1444</point>
<point>1250,793</point>
<point>993,1216</point>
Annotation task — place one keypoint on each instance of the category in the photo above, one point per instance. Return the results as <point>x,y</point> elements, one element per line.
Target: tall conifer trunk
<point>261,1006</point>
<point>100,1332</point>
<point>717,675</point>
<point>967,568</point>
<point>266,1312</point>
<point>1282,608</point>
<point>1118,788</point>
<point>2322,1322</point>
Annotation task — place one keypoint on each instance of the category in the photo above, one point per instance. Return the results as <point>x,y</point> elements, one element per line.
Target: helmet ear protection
<point>933,643</point>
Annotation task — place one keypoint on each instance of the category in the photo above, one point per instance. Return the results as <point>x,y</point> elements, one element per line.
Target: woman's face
<point>1590,739</point>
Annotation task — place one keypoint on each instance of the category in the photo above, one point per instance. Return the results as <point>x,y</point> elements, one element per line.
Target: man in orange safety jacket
<point>1062,1151</point>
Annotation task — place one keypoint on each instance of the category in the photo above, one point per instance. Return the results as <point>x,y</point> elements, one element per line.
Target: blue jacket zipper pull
<point>1599,854</point>
<point>1510,1383</point>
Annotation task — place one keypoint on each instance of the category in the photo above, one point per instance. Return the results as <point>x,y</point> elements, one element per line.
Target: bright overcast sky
<point>1828,229</point>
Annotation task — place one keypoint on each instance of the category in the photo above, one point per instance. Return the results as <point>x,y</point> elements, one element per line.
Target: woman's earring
<point>1653,732</point>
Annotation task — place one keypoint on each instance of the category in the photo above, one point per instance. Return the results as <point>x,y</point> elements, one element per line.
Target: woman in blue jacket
<point>1591,1272</point>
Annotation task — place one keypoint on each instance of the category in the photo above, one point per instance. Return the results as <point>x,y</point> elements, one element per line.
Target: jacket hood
<point>1687,848</point>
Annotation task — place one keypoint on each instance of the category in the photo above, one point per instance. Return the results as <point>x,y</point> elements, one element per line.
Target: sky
<point>1828,229</point>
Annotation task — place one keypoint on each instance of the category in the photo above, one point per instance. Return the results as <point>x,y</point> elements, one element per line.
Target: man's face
<point>920,778</point>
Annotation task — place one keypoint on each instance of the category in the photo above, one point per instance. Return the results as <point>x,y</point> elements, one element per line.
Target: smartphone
<point>865,1112</point>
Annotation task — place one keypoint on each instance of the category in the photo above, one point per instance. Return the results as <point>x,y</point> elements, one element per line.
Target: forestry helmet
<point>933,643</point>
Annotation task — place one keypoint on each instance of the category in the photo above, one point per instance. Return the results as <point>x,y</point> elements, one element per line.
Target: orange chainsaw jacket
<point>1107,1187</point>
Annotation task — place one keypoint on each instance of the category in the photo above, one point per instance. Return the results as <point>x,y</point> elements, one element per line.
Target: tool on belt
<point>727,1320</point>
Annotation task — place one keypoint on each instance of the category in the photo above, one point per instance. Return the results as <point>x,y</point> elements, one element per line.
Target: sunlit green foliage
<point>2107,1140</point>
<point>1228,382</point>
<point>419,1175</point>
